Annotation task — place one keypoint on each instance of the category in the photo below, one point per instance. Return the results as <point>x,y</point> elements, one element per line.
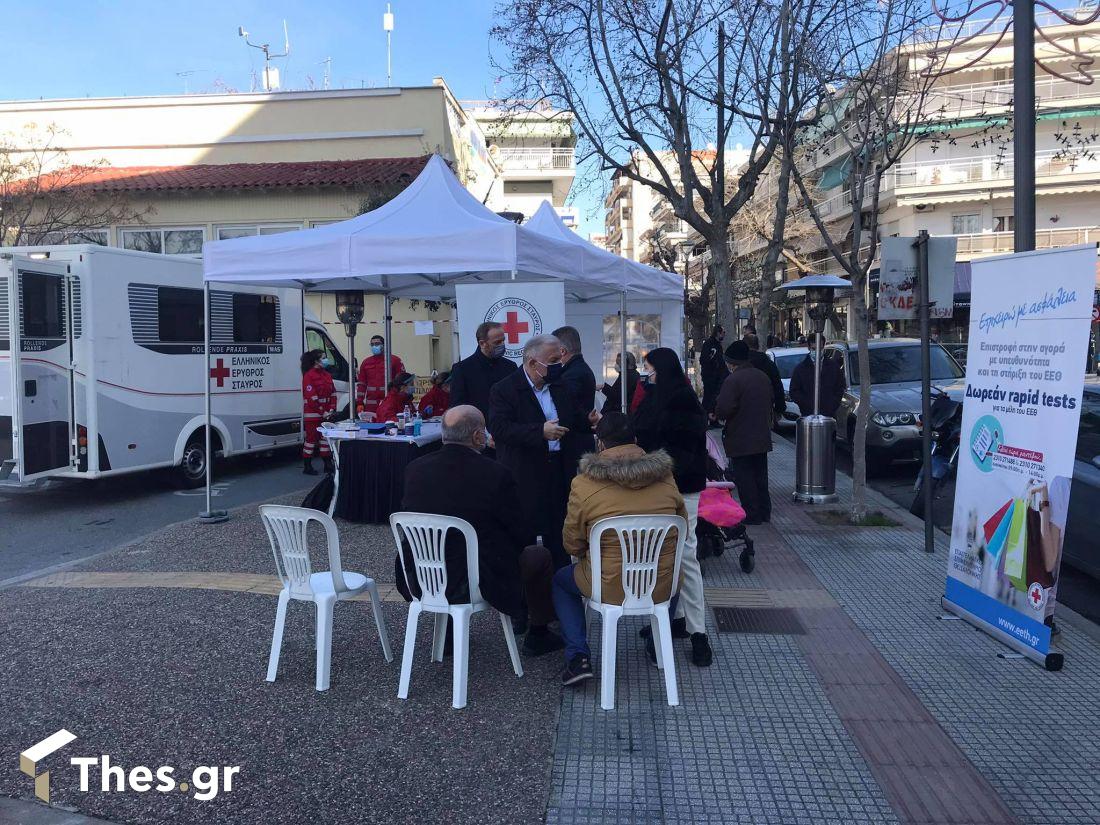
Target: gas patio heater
<point>349,309</point>
<point>815,435</point>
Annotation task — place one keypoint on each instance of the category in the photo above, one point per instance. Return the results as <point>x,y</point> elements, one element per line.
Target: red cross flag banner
<point>1029,329</point>
<point>524,310</point>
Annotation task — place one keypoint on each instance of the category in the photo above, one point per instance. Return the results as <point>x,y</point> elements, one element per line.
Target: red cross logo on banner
<point>220,372</point>
<point>513,326</point>
<point>1036,595</point>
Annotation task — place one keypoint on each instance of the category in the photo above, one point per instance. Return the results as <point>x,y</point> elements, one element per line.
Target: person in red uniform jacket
<point>318,405</point>
<point>399,396</point>
<point>436,400</point>
<point>370,388</point>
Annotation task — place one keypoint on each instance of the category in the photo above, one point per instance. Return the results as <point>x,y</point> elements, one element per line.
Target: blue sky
<point>96,49</point>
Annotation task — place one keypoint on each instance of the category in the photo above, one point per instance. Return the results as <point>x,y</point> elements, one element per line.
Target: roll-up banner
<point>1029,328</point>
<point>523,309</point>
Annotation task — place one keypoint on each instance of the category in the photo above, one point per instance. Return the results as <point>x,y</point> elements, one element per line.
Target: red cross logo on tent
<point>1036,595</point>
<point>513,326</point>
<point>220,372</point>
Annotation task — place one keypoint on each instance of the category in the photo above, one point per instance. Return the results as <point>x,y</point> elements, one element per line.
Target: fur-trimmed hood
<point>628,466</point>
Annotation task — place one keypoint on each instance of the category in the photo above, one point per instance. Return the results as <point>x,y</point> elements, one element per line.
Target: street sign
<point>899,287</point>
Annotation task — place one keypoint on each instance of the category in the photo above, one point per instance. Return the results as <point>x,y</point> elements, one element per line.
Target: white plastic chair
<point>426,535</point>
<point>287,529</point>
<point>641,539</point>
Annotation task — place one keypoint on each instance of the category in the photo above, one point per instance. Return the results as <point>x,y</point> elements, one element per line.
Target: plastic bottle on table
<point>417,424</point>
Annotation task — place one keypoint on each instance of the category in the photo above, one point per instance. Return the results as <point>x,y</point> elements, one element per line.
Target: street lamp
<point>349,309</point>
<point>815,435</point>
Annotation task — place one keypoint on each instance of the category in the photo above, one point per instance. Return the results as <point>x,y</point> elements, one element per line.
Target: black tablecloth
<point>372,478</point>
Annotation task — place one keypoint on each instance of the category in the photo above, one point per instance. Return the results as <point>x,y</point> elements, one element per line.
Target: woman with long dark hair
<point>318,405</point>
<point>670,418</point>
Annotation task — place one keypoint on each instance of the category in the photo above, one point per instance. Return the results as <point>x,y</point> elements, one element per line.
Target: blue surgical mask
<point>553,372</point>
<point>326,362</point>
<point>498,351</point>
<point>376,349</point>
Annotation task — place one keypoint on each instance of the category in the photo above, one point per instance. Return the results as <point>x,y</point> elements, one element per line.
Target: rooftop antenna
<point>327,63</point>
<point>387,26</point>
<point>271,74</point>
<point>185,76</point>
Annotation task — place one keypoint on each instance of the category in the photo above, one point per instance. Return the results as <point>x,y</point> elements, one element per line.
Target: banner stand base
<point>1052,661</point>
<point>213,517</point>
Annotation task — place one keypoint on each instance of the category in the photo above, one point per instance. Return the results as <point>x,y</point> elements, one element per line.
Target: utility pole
<point>387,25</point>
<point>1023,123</point>
<point>720,145</point>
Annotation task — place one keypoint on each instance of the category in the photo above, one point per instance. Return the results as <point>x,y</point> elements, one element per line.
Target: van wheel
<point>192,470</point>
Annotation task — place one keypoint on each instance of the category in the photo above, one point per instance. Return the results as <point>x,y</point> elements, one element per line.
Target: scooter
<point>946,423</point>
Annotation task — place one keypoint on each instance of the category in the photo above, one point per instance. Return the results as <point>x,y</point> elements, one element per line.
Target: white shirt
<point>549,411</point>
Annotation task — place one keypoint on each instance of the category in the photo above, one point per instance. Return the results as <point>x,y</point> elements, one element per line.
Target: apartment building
<point>214,166</point>
<point>534,152</point>
<point>957,178</point>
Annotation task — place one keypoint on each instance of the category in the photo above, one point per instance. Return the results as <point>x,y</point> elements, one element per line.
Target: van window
<point>254,318</point>
<point>43,305</point>
<point>179,315</point>
<point>319,341</point>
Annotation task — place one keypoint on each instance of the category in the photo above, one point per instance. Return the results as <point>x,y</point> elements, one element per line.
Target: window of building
<point>43,308</point>
<point>163,241</point>
<point>254,318</point>
<point>1004,223</point>
<point>179,315</point>
<point>224,233</point>
<point>967,224</point>
<point>99,237</point>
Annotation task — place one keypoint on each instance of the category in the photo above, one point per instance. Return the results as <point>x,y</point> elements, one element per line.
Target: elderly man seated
<point>457,480</point>
<point>620,479</point>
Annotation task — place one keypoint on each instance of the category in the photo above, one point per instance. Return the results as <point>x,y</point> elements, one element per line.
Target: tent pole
<point>387,349</point>
<point>351,379</point>
<point>623,376</point>
<point>209,515</point>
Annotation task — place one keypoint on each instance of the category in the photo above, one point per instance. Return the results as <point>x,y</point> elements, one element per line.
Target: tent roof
<point>599,265</point>
<point>431,236</point>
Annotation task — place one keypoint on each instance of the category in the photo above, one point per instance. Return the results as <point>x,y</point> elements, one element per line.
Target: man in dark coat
<point>745,404</point>
<point>530,413</point>
<point>473,377</point>
<point>767,366</point>
<point>513,575</point>
<point>578,378</point>
<point>712,367</point>
<point>832,382</point>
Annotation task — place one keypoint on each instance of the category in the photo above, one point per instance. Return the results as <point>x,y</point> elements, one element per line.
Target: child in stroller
<point>721,519</point>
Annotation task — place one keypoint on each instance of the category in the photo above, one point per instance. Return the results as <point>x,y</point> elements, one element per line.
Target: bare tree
<point>659,88</point>
<point>46,199</point>
<point>872,116</point>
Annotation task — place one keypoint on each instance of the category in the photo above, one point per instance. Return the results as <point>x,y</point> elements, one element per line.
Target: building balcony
<point>936,176</point>
<point>978,244</point>
<point>536,159</point>
<point>957,100</point>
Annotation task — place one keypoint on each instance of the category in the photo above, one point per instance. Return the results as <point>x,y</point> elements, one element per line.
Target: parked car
<point>1080,547</point>
<point>786,359</point>
<point>893,429</point>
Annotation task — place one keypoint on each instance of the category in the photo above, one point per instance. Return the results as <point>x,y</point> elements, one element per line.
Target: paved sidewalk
<point>866,707</point>
<point>857,705</point>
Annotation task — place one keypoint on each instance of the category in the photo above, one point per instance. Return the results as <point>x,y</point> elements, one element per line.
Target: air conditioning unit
<point>924,207</point>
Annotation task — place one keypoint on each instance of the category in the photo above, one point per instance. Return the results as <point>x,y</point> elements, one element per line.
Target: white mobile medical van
<point>102,363</point>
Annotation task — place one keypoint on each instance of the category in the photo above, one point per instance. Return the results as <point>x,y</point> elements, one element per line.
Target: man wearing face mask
<point>457,480</point>
<point>832,381</point>
<point>530,415</point>
<point>370,388</point>
<point>473,377</point>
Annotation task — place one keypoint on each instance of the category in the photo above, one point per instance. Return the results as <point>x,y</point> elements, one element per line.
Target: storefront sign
<point>899,288</point>
<point>1029,328</point>
<point>524,310</point>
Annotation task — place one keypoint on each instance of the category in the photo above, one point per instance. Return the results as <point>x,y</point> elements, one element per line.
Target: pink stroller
<point>721,518</point>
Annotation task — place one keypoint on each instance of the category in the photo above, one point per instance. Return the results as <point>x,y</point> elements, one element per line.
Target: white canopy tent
<point>430,237</point>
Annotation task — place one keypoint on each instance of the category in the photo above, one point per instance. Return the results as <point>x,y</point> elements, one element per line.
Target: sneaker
<point>650,650</point>
<point>539,644</point>
<point>679,629</point>
<point>578,670</point>
<point>701,654</point>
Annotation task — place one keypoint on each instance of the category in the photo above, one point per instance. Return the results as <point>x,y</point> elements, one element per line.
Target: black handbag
<point>320,497</point>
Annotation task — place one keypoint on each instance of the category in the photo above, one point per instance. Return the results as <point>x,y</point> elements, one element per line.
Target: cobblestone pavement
<point>863,706</point>
<point>876,711</point>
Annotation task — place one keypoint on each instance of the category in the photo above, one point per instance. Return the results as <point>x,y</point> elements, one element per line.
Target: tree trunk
<point>775,249</point>
<point>859,442</point>
<point>720,278</point>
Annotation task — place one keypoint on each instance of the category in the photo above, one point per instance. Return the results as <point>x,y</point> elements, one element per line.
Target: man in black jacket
<point>832,381</point>
<point>473,377</point>
<point>767,366</point>
<point>530,416</point>
<point>513,575</point>
<point>578,378</point>
<point>712,365</point>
